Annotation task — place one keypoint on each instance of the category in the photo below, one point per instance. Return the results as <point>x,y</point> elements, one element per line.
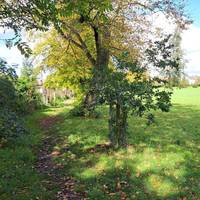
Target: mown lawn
<point>162,161</point>
<point>188,96</point>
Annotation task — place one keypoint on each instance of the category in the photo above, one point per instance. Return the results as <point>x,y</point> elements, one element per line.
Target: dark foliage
<point>7,94</point>
<point>81,111</point>
<point>10,125</point>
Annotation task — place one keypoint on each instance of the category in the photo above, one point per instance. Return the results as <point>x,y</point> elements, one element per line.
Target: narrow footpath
<point>46,166</point>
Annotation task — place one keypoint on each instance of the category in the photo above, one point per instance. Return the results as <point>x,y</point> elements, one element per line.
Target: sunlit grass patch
<point>162,186</point>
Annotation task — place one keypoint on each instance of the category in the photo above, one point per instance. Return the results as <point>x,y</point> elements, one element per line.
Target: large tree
<point>116,25</point>
<point>102,30</point>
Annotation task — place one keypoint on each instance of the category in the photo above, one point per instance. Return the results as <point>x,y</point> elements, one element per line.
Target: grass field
<point>162,161</point>
<point>188,96</point>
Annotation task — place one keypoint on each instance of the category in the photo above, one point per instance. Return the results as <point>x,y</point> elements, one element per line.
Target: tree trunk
<point>118,125</point>
<point>91,98</point>
<point>101,65</point>
<point>112,125</point>
<point>122,127</point>
<point>89,102</point>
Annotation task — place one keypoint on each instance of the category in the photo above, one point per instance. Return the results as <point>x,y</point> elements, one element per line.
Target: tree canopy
<point>85,40</point>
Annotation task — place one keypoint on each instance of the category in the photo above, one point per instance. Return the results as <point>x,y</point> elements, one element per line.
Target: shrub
<point>77,111</point>
<point>8,94</point>
<point>58,101</point>
<point>80,111</point>
<point>10,125</point>
<point>28,97</point>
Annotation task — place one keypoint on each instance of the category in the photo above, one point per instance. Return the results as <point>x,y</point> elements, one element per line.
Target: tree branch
<point>83,45</point>
<point>80,45</point>
<point>96,36</point>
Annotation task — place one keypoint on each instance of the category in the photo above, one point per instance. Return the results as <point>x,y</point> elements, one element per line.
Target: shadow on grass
<point>162,161</point>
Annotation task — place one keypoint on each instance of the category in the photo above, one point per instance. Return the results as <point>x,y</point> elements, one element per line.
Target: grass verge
<point>19,180</point>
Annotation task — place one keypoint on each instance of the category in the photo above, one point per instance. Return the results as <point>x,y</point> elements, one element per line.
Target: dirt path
<point>46,166</point>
